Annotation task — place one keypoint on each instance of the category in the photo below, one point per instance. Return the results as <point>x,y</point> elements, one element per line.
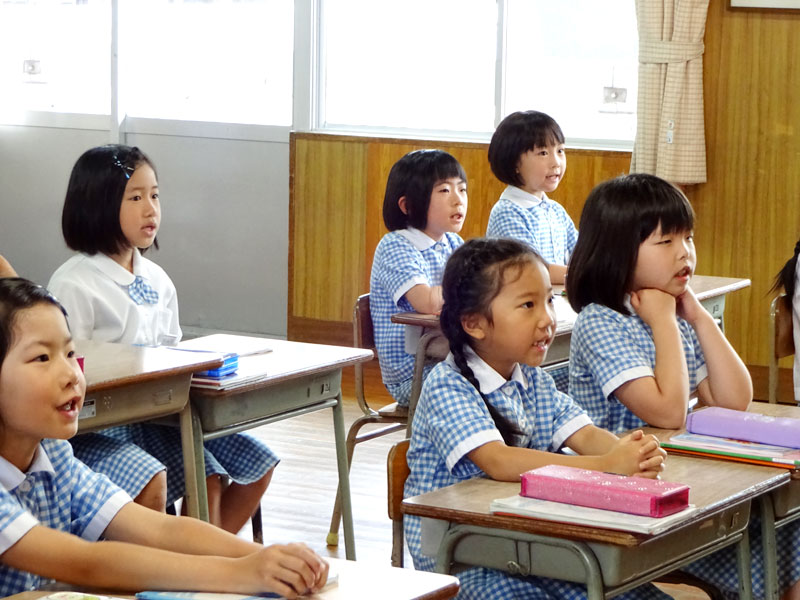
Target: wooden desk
<point>607,561</point>
<point>300,378</point>
<point>778,508</point>
<point>359,581</point>
<point>127,384</point>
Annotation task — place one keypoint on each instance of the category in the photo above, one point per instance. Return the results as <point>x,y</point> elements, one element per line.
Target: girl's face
<point>523,321</point>
<point>41,384</point>
<point>666,262</point>
<point>140,211</point>
<point>542,168</point>
<point>448,208</point>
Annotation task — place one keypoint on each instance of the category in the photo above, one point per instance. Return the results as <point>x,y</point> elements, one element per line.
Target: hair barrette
<point>125,169</point>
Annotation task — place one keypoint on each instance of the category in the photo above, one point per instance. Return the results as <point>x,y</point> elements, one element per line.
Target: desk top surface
<point>714,486</point>
<point>112,365</point>
<point>290,360</point>
<point>361,581</point>
<point>704,286</point>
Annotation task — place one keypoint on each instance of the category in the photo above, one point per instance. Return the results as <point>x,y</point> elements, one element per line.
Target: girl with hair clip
<point>527,153</point>
<point>424,209</point>
<point>489,411</point>
<point>643,344</point>
<point>786,280</point>
<point>53,508</point>
<point>111,216</point>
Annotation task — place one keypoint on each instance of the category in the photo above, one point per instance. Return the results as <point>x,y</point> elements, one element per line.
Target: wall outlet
<point>32,66</point>
<point>614,95</point>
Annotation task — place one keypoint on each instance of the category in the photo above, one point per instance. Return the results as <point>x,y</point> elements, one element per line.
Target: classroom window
<point>414,64</point>
<point>576,61</point>
<point>207,60</point>
<point>54,56</point>
<point>435,67</point>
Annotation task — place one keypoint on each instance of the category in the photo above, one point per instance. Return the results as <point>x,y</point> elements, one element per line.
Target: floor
<point>298,503</point>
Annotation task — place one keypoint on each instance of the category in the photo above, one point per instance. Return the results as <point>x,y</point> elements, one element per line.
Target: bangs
<point>447,167</point>
<point>546,134</point>
<point>663,205</point>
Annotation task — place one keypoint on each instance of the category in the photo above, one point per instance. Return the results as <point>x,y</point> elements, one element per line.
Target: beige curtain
<point>670,136</point>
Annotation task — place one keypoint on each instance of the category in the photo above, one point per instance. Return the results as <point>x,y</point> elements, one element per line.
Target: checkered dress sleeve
<point>509,220</point>
<point>607,350</point>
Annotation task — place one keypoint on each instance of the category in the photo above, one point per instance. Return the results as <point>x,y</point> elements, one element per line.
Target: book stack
<point>239,367</point>
<point>741,436</point>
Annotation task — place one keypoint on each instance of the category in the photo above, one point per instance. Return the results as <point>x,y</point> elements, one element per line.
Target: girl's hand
<point>652,304</point>
<point>289,570</point>
<point>636,454</point>
<point>689,307</point>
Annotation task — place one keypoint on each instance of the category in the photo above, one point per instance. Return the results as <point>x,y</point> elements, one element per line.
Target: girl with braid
<point>488,410</point>
<point>786,279</point>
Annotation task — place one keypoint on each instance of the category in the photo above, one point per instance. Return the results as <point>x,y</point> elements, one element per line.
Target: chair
<point>397,472</point>
<point>781,340</point>
<point>395,417</point>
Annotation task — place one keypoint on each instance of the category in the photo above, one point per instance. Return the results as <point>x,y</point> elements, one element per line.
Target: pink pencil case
<point>634,495</point>
<point>747,426</point>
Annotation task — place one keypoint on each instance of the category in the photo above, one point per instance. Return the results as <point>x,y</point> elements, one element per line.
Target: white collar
<point>418,238</point>
<point>489,380</point>
<point>115,271</point>
<point>11,476</point>
<point>522,198</point>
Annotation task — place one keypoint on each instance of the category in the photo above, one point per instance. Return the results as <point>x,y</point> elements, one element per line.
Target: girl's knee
<point>154,494</point>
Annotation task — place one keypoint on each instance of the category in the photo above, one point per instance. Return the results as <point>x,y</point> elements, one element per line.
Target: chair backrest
<point>784,340</point>
<point>397,472</point>
<point>363,333</point>
<point>363,337</point>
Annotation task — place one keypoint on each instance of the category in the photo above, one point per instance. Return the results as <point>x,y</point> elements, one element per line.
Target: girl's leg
<point>240,501</point>
<point>154,494</point>
<point>214,486</point>
<point>793,593</point>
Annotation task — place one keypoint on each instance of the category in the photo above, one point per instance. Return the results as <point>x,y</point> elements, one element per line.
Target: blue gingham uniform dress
<point>542,224</point>
<point>452,420</point>
<point>59,492</point>
<point>609,349</point>
<point>403,259</point>
<point>241,457</point>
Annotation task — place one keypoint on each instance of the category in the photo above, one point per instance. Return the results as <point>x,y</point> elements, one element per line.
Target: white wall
<point>224,233</point>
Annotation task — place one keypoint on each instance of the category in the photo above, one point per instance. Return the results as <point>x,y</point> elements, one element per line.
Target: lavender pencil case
<point>583,487</point>
<point>747,426</point>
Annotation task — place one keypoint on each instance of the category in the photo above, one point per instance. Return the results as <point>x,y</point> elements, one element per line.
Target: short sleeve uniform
<point>94,291</point>
<point>541,223</point>
<point>451,420</point>
<point>59,492</point>
<point>609,349</point>
<point>403,259</point>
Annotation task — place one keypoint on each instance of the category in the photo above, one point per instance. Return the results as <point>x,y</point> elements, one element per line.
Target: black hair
<point>414,176</point>
<point>473,277</point>
<point>617,217</point>
<point>518,133</point>
<point>785,278</point>
<point>90,217</point>
<point>18,294</point>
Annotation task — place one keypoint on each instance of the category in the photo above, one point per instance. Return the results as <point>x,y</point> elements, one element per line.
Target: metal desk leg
<point>344,479</point>
<point>194,464</point>
<point>743,564</point>
<point>769,547</point>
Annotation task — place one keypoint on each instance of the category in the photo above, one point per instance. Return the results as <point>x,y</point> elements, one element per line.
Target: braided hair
<point>785,278</point>
<point>472,279</point>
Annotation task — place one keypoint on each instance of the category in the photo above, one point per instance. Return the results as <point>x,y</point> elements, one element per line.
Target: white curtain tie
<point>657,51</point>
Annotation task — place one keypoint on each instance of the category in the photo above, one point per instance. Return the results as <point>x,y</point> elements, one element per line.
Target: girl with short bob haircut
<point>54,509</point>
<point>424,209</point>
<point>111,215</point>
<point>488,410</point>
<point>527,153</point>
<point>642,343</point>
